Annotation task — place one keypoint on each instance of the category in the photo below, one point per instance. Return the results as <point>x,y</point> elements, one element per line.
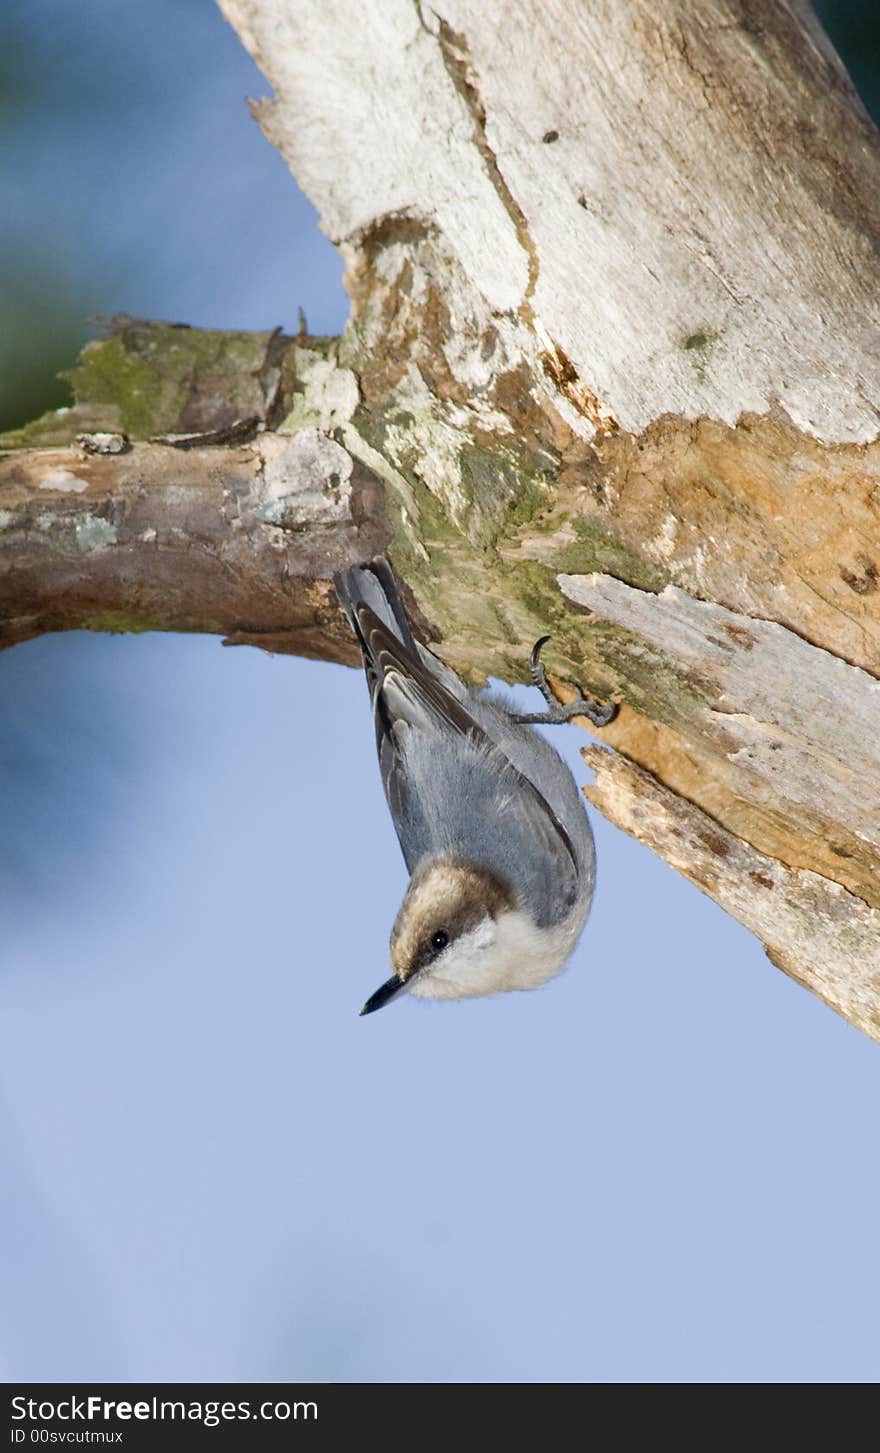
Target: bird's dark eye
<point>439,940</point>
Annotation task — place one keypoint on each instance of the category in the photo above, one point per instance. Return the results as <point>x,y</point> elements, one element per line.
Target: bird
<point>492,826</point>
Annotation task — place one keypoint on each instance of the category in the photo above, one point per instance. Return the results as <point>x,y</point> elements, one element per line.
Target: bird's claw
<point>600,715</point>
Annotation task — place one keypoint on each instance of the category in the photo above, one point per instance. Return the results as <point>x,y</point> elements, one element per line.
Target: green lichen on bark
<point>149,379</point>
<point>595,548</point>
<point>458,497</point>
<point>166,378</point>
<point>120,623</point>
<point>60,427</point>
<point>93,533</point>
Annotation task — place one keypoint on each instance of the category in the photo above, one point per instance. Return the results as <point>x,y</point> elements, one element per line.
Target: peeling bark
<point>236,540</point>
<point>812,928</point>
<point>782,744</point>
<point>218,522</point>
<point>612,371</point>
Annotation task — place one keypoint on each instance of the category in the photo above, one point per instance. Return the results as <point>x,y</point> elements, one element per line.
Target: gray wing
<point>468,801</point>
<point>450,787</point>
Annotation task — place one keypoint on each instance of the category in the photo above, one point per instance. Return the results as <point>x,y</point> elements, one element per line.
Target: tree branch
<point>236,540</point>
<point>817,932</point>
<point>234,529</point>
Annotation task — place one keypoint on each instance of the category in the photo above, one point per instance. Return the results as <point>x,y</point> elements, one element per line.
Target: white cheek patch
<point>508,953</point>
<point>478,938</point>
<point>461,969</point>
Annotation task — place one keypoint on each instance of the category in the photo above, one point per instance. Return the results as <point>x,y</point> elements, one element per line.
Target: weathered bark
<point>234,528</point>
<point>612,372</point>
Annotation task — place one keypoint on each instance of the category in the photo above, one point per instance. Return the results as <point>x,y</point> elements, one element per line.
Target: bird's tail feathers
<point>374,585</point>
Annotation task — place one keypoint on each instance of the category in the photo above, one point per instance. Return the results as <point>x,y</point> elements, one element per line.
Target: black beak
<point>389,990</point>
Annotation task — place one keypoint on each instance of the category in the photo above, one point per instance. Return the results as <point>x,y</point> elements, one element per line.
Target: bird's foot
<point>600,715</point>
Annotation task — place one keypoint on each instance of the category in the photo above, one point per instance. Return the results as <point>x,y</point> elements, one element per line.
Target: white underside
<point>508,953</point>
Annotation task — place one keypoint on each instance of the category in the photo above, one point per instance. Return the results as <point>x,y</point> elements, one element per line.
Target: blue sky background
<point>662,1166</point>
